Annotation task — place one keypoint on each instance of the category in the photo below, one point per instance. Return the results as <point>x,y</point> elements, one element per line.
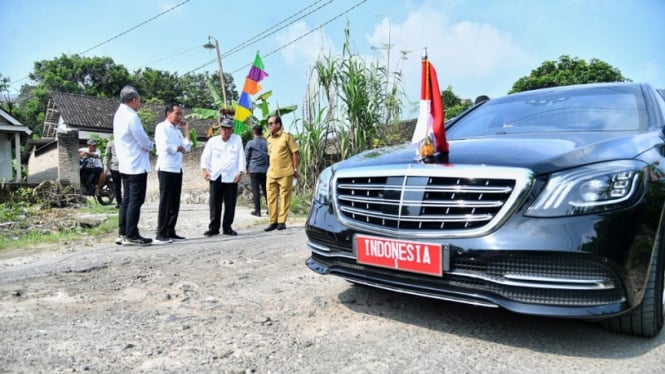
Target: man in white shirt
<point>133,146</point>
<point>222,164</point>
<point>171,145</point>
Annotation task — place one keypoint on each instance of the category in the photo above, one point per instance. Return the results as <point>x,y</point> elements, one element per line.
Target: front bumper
<point>470,287</point>
<point>578,267</point>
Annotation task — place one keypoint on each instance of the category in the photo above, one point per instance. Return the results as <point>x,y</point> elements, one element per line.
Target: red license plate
<point>416,257</point>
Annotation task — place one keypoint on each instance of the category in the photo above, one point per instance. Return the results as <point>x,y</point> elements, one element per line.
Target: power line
<point>173,55</point>
<point>118,35</point>
<point>305,34</point>
<point>264,34</point>
<point>254,38</point>
<point>267,32</point>
<point>135,27</point>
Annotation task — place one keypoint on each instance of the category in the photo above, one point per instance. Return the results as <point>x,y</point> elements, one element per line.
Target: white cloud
<point>303,45</point>
<point>472,57</point>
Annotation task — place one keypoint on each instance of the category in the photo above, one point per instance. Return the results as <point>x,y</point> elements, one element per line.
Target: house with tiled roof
<point>88,114</point>
<point>70,120</point>
<point>94,115</point>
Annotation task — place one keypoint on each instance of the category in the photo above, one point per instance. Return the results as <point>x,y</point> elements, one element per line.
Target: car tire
<point>647,318</point>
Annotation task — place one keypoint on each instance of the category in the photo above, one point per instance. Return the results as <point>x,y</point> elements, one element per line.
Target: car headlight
<point>323,187</point>
<point>590,189</point>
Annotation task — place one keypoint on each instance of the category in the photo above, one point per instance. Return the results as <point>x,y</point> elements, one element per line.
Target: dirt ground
<point>249,304</point>
<point>179,307</point>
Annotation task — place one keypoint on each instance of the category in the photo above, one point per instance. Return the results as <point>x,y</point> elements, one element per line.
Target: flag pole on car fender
<point>431,116</point>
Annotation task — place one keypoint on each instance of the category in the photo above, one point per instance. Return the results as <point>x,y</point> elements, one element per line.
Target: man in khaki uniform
<point>283,156</point>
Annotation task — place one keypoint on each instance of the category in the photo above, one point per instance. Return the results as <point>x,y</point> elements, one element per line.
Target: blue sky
<point>477,46</point>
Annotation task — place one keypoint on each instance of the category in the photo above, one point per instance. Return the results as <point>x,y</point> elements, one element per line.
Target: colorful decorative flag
<point>430,132</point>
<point>251,87</point>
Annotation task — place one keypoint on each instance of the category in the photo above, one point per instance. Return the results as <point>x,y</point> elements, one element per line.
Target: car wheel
<point>647,318</point>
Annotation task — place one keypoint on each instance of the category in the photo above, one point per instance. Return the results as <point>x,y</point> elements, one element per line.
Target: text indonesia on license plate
<point>417,257</point>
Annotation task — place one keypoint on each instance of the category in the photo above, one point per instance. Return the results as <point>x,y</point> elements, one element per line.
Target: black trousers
<point>117,186</point>
<point>222,193</point>
<point>134,186</point>
<point>170,187</point>
<point>258,180</point>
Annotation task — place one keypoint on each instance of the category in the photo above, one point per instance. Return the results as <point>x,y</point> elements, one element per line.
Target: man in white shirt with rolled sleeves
<point>171,145</point>
<point>133,146</point>
<point>222,164</point>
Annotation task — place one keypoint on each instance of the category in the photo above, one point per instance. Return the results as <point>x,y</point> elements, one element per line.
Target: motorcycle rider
<point>92,171</point>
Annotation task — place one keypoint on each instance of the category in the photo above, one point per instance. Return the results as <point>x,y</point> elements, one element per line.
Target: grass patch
<point>24,225</point>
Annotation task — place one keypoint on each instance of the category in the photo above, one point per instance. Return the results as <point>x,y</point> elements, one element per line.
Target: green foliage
<point>102,77</point>
<point>148,119</point>
<point>195,91</point>
<point>568,71</point>
<point>313,144</point>
<point>158,84</point>
<point>67,231</point>
<point>300,202</point>
<point>193,137</point>
<point>94,76</point>
<point>453,105</point>
<point>29,208</point>
<point>349,105</point>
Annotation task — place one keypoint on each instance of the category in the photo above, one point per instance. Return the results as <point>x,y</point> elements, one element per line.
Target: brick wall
<point>59,163</point>
<point>69,159</point>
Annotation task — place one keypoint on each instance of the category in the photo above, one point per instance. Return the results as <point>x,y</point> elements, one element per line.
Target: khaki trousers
<point>279,198</point>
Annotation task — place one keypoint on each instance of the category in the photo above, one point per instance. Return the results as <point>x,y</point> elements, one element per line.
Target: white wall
<point>6,169</point>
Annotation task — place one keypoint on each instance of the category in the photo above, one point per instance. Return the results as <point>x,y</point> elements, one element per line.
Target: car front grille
<point>428,201</point>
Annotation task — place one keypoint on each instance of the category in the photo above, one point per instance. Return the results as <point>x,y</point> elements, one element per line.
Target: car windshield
<point>598,108</point>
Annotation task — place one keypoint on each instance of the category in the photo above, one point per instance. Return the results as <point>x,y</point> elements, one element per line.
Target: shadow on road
<point>567,337</point>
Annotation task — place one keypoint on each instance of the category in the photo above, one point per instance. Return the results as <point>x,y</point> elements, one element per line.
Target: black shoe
<point>211,233</point>
<point>139,240</point>
<point>255,213</point>
<point>177,237</point>
<point>281,226</point>
<point>271,227</point>
<point>230,232</point>
<point>163,240</point>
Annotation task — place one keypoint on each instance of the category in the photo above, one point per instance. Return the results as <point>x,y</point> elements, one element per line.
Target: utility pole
<point>209,45</point>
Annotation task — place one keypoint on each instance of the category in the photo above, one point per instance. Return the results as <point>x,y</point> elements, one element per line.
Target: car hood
<point>541,153</point>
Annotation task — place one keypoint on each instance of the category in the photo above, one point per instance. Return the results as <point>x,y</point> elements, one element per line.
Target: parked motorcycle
<point>89,183</point>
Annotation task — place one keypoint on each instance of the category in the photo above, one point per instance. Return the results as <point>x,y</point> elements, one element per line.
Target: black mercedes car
<point>549,202</point>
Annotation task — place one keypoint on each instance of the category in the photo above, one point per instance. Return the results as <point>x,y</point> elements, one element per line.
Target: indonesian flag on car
<point>430,132</point>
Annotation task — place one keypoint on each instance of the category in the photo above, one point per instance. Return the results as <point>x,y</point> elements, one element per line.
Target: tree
<point>5,99</point>
<point>93,76</point>
<point>567,71</point>
<point>453,104</point>
<point>195,91</point>
<point>158,85</point>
